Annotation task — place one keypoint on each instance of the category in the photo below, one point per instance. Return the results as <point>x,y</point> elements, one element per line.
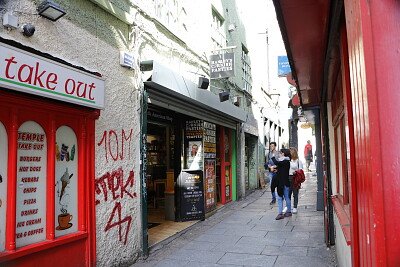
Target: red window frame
<point>17,108</point>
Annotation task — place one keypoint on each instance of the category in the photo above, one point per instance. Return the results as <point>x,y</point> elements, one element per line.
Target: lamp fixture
<point>203,83</point>
<point>50,10</point>
<point>223,96</point>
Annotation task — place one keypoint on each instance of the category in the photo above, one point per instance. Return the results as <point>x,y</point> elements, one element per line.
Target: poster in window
<point>3,185</point>
<point>210,186</point>
<point>227,146</point>
<point>66,181</point>
<point>31,184</point>
<point>227,181</point>
<point>195,155</point>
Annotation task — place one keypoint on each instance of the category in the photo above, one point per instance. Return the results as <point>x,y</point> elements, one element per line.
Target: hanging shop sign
<point>283,66</point>
<point>29,73</point>
<point>192,195</point>
<point>222,65</point>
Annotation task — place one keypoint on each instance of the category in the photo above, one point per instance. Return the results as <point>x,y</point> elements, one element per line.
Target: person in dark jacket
<point>282,183</point>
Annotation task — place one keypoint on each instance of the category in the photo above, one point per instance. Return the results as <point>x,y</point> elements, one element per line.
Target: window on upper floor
<point>246,69</point>
<point>171,14</point>
<point>217,30</point>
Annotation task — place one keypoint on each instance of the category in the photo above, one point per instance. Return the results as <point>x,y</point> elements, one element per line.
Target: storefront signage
<point>3,185</point>
<point>283,66</point>
<point>222,65</point>
<point>191,195</point>
<point>210,147</point>
<point>210,187</point>
<point>159,117</point>
<point>31,184</point>
<point>29,73</point>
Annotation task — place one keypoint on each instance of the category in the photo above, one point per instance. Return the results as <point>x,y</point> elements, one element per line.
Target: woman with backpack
<point>295,164</point>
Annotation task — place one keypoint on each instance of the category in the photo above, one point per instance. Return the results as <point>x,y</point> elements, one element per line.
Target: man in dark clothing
<point>269,165</point>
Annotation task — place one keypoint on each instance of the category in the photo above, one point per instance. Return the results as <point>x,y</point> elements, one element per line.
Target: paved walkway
<point>245,233</point>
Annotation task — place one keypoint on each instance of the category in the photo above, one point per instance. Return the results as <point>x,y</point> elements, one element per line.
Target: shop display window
<point>3,184</point>
<point>46,179</point>
<point>66,181</point>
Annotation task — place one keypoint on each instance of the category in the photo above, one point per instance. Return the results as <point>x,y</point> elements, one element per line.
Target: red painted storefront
<point>345,59</point>
<point>49,195</point>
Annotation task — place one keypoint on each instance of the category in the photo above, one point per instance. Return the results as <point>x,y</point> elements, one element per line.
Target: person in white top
<point>295,164</point>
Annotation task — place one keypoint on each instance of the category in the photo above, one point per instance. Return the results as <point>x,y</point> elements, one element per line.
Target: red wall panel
<point>373,31</point>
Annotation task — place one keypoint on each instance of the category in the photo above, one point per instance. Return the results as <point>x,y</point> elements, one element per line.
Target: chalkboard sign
<point>191,195</point>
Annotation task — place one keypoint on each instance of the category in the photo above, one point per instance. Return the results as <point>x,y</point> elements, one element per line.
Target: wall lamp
<point>223,96</point>
<point>203,83</point>
<point>50,10</point>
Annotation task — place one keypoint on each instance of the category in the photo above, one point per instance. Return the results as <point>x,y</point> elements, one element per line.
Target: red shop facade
<point>47,124</point>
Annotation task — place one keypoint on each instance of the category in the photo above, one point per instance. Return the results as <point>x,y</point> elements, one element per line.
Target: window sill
<point>20,252</point>
<point>343,217</point>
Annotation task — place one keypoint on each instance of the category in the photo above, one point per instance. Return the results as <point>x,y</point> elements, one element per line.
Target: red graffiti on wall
<point>116,146</point>
<point>114,184</point>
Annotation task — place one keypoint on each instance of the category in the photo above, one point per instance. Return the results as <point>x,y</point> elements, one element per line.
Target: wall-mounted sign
<point>222,65</point>
<point>191,195</point>
<point>29,73</point>
<point>283,66</point>
<point>126,60</point>
<point>31,184</point>
<point>210,184</point>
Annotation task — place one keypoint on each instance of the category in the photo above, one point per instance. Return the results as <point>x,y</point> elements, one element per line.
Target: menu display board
<point>3,185</point>
<point>192,195</point>
<point>66,181</point>
<point>31,184</point>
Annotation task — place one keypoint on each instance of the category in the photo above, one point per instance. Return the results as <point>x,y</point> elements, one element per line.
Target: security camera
<point>28,30</point>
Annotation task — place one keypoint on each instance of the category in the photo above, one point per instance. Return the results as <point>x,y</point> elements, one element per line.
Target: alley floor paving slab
<point>245,233</point>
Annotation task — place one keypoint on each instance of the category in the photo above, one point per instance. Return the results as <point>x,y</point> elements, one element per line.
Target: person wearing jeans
<point>295,164</point>
<point>281,182</point>
<point>271,168</point>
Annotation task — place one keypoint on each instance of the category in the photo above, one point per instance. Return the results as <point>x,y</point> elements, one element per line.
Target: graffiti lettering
<point>118,187</point>
<point>115,146</point>
<point>128,219</point>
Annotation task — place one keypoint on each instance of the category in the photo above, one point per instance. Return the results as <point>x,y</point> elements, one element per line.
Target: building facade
<point>344,68</point>
<point>104,118</point>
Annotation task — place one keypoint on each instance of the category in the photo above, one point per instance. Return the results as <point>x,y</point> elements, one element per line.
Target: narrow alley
<point>245,233</point>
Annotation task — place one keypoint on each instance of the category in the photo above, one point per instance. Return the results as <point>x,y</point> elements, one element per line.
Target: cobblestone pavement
<point>245,233</point>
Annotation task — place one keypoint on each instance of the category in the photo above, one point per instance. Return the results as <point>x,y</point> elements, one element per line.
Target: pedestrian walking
<point>282,183</point>
<point>270,166</point>
<point>308,155</point>
<point>295,164</point>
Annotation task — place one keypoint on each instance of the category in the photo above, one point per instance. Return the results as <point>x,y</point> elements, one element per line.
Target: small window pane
<point>66,181</point>
<point>31,184</point>
<point>3,185</point>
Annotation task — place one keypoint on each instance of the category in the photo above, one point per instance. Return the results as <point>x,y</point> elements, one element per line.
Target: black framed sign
<point>191,195</point>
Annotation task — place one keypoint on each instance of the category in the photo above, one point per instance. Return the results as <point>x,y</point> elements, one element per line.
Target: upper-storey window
<point>217,30</point>
<point>246,69</point>
<point>171,14</point>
